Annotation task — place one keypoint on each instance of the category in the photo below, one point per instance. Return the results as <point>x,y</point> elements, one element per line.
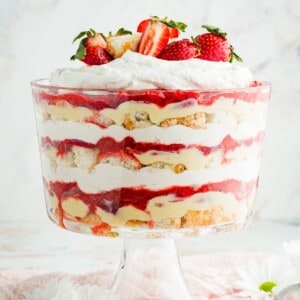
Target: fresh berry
<point>92,48</point>
<point>154,39</point>
<point>173,33</point>
<point>215,46</point>
<point>174,27</point>
<point>142,26</point>
<point>179,50</point>
<point>101,229</point>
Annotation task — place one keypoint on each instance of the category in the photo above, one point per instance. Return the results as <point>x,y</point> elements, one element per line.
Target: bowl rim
<point>38,83</point>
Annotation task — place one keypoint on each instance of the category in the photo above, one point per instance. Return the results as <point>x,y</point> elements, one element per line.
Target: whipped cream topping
<point>134,71</point>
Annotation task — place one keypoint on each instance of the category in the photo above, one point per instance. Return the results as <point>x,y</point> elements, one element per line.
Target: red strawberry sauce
<point>139,197</point>
<point>130,146</point>
<point>159,97</point>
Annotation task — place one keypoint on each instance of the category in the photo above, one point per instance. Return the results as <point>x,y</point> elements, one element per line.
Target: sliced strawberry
<point>174,27</point>
<point>154,38</point>
<point>179,50</point>
<point>173,32</point>
<point>142,26</point>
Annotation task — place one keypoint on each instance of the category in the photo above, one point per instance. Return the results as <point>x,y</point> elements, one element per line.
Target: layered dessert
<point>154,136</point>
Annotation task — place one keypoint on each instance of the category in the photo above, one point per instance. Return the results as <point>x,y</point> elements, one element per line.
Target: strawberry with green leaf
<point>154,38</point>
<point>174,27</point>
<point>156,33</point>
<point>92,48</point>
<point>214,45</point>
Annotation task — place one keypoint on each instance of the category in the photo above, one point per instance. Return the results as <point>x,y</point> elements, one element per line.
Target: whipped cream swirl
<point>134,71</point>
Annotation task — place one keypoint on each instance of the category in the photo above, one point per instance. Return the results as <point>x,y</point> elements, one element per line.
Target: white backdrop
<point>35,38</point>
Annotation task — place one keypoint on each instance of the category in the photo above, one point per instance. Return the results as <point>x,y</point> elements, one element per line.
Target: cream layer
<point>65,111</point>
<point>105,177</point>
<point>134,71</point>
<point>239,110</point>
<point>234,109</point>
<point>211,136</point>
<point>192,159</point>
<point>160,208</point>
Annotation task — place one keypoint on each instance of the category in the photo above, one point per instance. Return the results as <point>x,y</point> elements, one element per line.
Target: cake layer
<point>231,108</point>
<point>213,134</point>
<point>105,177</point>
<point>169,207</point>
<point>117,207</point>
<point>135,155</point>
<point>239,110</point>
<point>165,211</point>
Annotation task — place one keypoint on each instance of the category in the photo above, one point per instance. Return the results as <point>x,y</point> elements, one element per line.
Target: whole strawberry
<point>214,45</point>
<point>92,48</point>
<point>179,50</point>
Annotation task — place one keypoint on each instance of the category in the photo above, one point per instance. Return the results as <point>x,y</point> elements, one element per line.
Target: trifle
<point>154,136</point>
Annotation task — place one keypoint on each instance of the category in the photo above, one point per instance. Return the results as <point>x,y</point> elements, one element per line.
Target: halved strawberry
<point>142,26</point>
<point>173,32</point>
<point>92,48</point>
<point>174,27</point>
<point>154,38</point>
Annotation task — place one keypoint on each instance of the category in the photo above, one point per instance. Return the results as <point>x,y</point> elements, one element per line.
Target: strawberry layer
<point>130,146</point>
<point>159,97</point>
<point>111,201</point>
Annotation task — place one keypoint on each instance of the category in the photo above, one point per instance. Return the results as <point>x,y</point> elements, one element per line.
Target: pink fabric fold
<point>208,277</point>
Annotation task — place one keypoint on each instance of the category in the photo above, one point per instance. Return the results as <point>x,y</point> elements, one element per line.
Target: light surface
<point>43,245</point>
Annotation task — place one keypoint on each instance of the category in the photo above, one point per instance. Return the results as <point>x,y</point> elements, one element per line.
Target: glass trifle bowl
<point>149,166</point>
